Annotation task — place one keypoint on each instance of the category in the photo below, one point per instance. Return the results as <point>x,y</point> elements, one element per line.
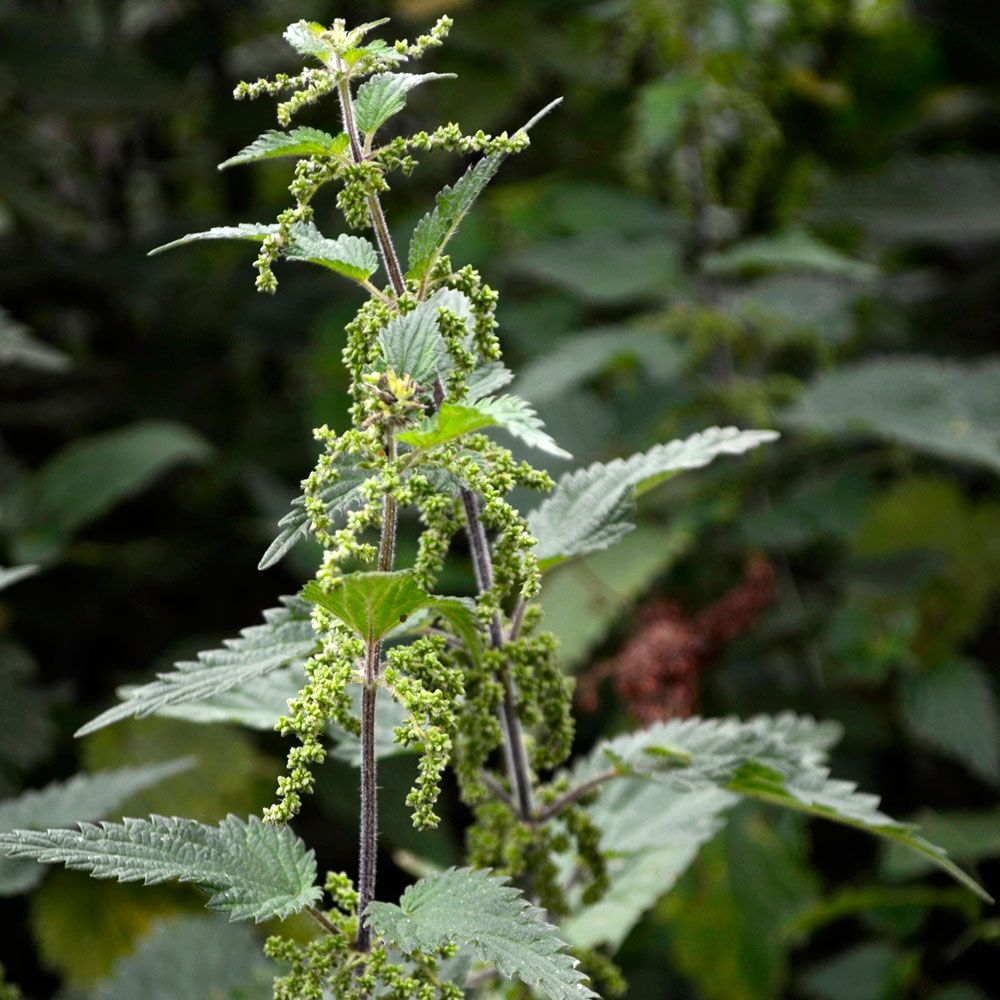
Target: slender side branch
<point>515,755</point>
<point>575,794</point>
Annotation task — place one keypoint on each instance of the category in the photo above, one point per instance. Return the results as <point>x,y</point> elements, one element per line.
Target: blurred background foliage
<point>764,212</point>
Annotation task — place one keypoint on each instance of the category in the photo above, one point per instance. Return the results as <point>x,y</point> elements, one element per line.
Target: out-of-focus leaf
<point>584,600</point>
<point>19,347</point>
<point>948,409</point>
<point>83,797</point>
<point>9,575</point>
<point>26,727</point>
<point>946,200</point>
<point>866,972</point>
<point>590,353</point>
<point>285,637</point>
<point>754,881</point>
<point>604,268</point>
<point>82,926</point>
<point>942,556</point>
<point>205,792</point>
<point>953,708</point>
<point>969,837</point>
<point>788,250</point>
<point>88,477</point>
<point>825,507</point>
<point>662,108</point>
<point>783,307</point>
<point>653,834</point>
<point>184,957</point>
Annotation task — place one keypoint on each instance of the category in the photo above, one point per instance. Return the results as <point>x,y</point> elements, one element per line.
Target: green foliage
<point>947,409</point>
<point>477,908</point>
<point>179,956</point>
<point>590,509</point>
<point>453,203</point>
<point>252,231</point>
<point>384,95</point>
<point>791,250</point>
<point>19,347</point>
<point>251,870</point>
<point>45,508</point>
<point>9,575</point>
<point>412,344</point>
<point>452,420</point>
<point>351,256</point>
<point>286,636</point>
<point>86,796</point>
<point>301,141</point>
<point>780,760</point>
<point>371,604</point>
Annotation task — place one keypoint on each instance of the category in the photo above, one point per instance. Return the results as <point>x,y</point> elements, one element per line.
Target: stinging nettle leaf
<point>590,509</point>
<point>412,344</point>
<point>301,141</point>
<point>251,870</point>
<point>438,226</point>
<point>84,796</point>
<point>790,250</point>
<point>352,256</point>
<point>253,231</point>
<point>511,413</point>
<point>384,95</point>
<point>480,909</point>
<point>372,604</point>
<point>338,497</point>
<point>307,38</point>
<point>285,637</point>
<point>780,760</point>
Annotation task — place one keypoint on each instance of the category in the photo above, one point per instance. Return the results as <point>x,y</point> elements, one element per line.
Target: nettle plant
<point>563,859</point>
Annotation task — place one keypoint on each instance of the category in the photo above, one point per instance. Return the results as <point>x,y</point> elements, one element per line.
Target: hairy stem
<point>515,755</point>
<point>386,248</point>
<point>368,836</point>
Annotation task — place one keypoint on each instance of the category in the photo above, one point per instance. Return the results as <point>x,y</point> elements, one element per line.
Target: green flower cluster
<point>329,966</point>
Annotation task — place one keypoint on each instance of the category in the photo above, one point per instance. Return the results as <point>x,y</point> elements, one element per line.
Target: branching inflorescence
<point>474,682</point>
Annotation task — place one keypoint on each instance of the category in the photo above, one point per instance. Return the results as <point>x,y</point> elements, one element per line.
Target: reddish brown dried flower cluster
<point>656,673</point>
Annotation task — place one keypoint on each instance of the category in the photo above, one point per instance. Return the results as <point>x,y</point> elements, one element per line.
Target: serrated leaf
<point>412,344</point>
<point>84,796</point>
<point>384,95</point>
<point>301,141</point>
<point>486,379</point>
<point>944,408</point>
<point>590,509</point>
<point>437,227</point>
<point>781,760</point>
<point>306,37</point>
<point>452,420</point>
<point>45,508</point>
<point>251,870</point>
<point>352,256</point>
<point>788,250</point>
<point>184,956</point>
<point>340,496</point>
<point>374,603</point>
<point>9,575</point>
<point>255,232</point>
<point>478,908</point>
<point>285,637</point>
